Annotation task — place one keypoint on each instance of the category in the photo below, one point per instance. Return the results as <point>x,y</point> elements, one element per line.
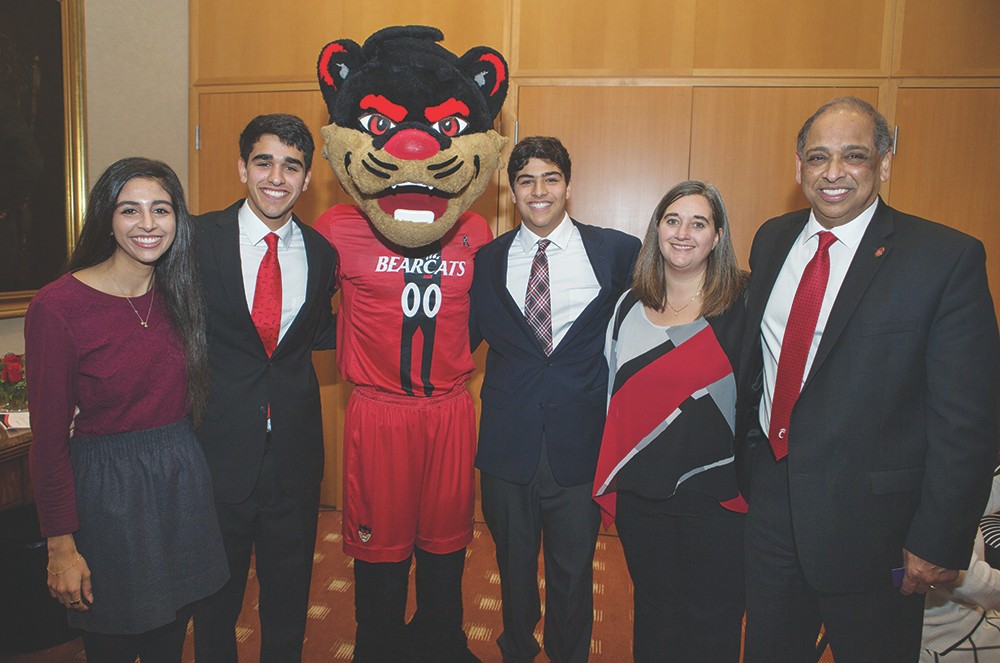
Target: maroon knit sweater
<point>86,349</point>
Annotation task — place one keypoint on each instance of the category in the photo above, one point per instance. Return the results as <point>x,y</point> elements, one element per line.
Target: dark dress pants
<point>519,518</point>
<point>784,612</point>
<point>685,557</point>
<point>280,530</point>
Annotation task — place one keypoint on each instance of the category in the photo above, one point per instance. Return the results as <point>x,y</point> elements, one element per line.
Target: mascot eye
<point>376,124</point>
<point>450,126</point>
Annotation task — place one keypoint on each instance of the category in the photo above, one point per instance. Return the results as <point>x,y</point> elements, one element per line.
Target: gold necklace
<point>144,323</point>
<point>678,310</point>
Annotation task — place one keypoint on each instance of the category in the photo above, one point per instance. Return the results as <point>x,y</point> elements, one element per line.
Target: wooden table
<point>15,483</point>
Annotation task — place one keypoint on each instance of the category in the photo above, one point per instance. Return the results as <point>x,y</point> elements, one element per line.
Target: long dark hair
<point>176,271</point>
<point>723,279</point>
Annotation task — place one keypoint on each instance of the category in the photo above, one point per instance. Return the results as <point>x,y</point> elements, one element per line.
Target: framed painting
<point>42,174</point>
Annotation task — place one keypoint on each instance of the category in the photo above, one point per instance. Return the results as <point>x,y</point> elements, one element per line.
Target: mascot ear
<point>488,70</point>
<point>338,60</point>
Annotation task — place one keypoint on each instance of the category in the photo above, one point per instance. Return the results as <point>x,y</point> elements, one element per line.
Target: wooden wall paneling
<point>333,395</point>
<point>464,25</point>
<point>508,126</point>
<point>256,40</point>
<point>743,141</point>
<point>802,38</point>
<point>628,145</point>
<point>249,43</point>
<point>947,162</point>
<point>594,37</point>
<point>953,38</point>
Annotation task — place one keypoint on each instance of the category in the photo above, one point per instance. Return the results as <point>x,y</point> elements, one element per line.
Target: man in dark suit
<point>868,406</point>
<point>268,282</point>
<point>544,399</point>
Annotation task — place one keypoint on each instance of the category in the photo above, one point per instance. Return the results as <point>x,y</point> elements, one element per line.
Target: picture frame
<point>42,90</point>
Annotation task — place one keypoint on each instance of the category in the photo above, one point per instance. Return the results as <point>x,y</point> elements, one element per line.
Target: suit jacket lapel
<point>499,281</point>
<point>226,246</point>
<point>593,243</point>
<point>313,282</point>
<point>875,246</point>
<point>764,276</point>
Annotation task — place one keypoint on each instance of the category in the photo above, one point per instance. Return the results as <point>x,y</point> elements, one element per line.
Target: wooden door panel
<point>628,145</point>
<point>947,162</point>
<point>954,38</point>
<point>566,37</point>
<point>260,41</point>
<point>780,35</point>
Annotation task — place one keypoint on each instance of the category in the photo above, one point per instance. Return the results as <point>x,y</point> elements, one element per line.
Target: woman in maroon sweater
<point>117,357</point>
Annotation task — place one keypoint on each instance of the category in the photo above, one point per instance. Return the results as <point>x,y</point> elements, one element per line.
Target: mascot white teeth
<point>411,140</point>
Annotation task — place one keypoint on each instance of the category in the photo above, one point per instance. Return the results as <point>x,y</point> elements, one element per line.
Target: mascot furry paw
<point>411,140</point>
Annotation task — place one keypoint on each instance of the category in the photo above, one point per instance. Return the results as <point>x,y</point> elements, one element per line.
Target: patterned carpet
<point>330,630</point>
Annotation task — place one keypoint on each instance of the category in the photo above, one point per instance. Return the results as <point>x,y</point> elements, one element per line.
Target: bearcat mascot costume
<point>411,139</point>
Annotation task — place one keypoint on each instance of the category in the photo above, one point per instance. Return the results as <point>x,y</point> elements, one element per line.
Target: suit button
<point>541,406</point>
<point>262,409</point>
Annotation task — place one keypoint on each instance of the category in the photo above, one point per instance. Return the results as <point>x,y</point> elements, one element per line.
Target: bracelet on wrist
<point>59,573</point>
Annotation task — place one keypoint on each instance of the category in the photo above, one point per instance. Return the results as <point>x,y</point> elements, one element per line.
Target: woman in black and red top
<point>666,472</point>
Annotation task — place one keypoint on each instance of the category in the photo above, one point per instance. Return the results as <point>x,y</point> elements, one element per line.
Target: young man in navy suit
<point>262,430</point>
<point>543,399</point>
<point>868,406</point>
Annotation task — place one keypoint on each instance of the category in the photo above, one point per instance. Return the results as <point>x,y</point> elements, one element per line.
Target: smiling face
<point>143,223</point>
<point>687,234</point>
<point>540,193</point>
<point>839,169</point>
<point>275,175</point>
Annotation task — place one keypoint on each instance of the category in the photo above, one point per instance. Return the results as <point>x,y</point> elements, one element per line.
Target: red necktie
<point>795,344</point>
<point>266,311</point>
<point>537,299</point>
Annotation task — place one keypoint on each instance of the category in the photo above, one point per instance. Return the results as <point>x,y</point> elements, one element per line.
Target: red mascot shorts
<point>408,474</point>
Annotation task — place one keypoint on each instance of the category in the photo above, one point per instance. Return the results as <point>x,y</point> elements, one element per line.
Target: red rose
<point>13,368</point>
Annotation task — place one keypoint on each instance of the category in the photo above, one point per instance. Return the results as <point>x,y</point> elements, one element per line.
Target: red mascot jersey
<point>403,324</point>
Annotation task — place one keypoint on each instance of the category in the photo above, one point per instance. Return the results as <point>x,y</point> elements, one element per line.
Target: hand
<point>921,576</point>
<point>68,574</point>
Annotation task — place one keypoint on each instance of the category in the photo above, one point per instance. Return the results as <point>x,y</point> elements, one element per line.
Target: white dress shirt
<point>291,256</point>
<point>572,282</point>
<point>779,305</point>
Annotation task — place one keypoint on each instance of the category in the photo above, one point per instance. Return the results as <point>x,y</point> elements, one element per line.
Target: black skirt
<point>148,528</point>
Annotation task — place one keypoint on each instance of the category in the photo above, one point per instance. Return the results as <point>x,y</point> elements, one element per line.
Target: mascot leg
<point>380,611</point>
<point>436,628</point>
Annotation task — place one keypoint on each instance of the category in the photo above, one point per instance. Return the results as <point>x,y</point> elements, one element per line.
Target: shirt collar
<point>256,230</point>
<point>849,234</point>
<point>560,236</point>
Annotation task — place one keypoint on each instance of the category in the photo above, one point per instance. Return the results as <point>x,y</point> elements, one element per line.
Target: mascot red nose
<point>411,140</point>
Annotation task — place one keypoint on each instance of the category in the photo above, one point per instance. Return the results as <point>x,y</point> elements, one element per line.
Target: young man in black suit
<point>868,406</point>
<point>544,399</point>
<point>268,282</point>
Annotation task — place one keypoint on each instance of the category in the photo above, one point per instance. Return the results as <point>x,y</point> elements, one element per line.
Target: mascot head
<point>411,134</point>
